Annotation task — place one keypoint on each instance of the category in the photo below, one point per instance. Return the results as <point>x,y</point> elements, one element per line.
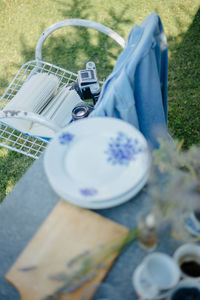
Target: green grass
<point>22,22</point>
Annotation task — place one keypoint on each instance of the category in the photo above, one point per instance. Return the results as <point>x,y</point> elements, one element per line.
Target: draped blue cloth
<point>136,90</point>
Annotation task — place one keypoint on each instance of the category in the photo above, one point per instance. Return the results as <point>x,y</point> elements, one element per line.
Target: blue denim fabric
<point>136,90</point>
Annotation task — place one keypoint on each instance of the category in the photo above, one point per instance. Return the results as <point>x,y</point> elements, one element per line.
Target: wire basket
<point>13,139</point>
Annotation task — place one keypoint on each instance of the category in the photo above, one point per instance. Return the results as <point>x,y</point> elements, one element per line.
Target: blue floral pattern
<point>122,149</point>
<point>65,138</point>
<point>88,192</point>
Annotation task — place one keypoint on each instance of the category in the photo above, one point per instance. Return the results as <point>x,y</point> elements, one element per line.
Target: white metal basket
<point>10,137</point>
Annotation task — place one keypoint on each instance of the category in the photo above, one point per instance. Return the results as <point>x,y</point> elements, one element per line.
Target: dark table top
<point>31,201</point>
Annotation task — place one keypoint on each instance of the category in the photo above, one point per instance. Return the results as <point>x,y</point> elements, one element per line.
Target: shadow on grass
<point>184,88</point>
<point>72,47</point>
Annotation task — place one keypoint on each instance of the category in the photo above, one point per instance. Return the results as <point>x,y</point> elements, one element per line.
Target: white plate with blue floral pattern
<point>97,159</point>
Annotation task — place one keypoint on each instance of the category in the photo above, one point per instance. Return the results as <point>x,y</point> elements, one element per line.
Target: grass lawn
<point>22,22</point>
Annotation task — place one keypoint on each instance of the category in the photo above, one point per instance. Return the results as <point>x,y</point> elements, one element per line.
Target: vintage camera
<point>87,85</point>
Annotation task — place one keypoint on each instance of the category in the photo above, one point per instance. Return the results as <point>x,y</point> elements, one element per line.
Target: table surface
<point>31,201</point>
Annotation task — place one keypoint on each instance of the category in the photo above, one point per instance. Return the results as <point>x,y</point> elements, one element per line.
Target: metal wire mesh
<point>13,139</point>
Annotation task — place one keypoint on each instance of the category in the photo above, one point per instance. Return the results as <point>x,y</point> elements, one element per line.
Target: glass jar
<point>147,231</point>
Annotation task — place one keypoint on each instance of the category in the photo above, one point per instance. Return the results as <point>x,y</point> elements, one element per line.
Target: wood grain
<point>68,231</point>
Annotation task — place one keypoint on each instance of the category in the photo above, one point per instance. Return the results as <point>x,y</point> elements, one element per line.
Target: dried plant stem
<point>192,171</point>
<point>86,266</point>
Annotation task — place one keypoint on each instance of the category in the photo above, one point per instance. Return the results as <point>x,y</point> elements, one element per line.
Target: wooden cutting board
<point>67,232</point>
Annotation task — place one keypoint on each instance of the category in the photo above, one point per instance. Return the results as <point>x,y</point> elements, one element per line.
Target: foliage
<point>174,184</point>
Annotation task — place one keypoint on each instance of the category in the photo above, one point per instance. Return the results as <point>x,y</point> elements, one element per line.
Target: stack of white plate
<point>97,162</point>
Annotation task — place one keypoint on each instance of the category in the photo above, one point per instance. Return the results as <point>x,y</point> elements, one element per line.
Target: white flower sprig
<point>174,183</point>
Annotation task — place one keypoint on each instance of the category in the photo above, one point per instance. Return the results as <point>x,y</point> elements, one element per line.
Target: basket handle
<point>19,114</point>
<point>76,22</point>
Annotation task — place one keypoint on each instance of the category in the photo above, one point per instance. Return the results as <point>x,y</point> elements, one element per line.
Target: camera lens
<point>81,111</point>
